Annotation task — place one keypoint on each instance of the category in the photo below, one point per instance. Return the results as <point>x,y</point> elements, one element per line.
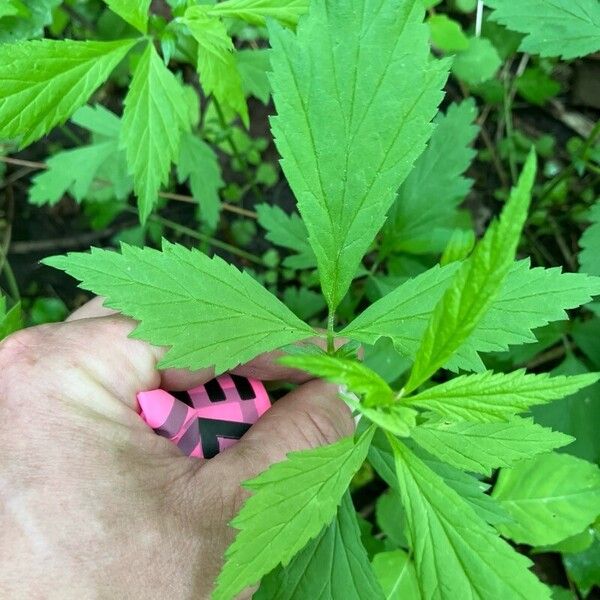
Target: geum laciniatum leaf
<point>205,310</point>
<point>336,84</point>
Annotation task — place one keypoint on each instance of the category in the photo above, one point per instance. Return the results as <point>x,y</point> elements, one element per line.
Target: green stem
<point>330,333</point>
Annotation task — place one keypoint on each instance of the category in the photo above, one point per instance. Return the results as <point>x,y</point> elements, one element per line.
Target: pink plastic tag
<point>207,419</point>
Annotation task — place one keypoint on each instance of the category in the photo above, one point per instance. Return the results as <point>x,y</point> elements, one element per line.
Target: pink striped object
<point>206,419</point>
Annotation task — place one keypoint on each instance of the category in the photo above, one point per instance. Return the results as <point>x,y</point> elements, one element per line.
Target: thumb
<point>312,415</point>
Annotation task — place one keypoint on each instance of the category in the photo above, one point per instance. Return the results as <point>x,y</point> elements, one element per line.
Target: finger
<point>264,367</point>
<point>312,415</point>
<point>92,309</point>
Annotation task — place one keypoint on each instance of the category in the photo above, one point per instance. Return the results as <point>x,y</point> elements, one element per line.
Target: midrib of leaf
<point>399,578</point>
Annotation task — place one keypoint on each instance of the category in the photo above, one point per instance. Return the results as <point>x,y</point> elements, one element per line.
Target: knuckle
<point>317,427</point>
<point>18,347</point>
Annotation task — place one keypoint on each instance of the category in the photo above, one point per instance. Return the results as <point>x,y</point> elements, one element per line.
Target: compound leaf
<point>456,554</point>
<point>334,565</point>
<point>567,28</point>
<point>135,12</point>
<point>256,12</point>
<point>155,115</point>
<point>291,503</point>
<point>335,85</point>
<point>476,284</point>
<point>207,311</point>
<point>425,210</point>
<point>482,447</point>
<point>549,498</point>
<point>521,306</point>
<point>489,397</point>
<point>71,169</point>
<point>52,79</point>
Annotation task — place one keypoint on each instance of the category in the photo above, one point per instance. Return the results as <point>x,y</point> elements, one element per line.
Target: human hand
<point>93,504</point>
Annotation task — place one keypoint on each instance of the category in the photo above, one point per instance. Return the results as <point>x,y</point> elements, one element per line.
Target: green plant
<point>161,121</point>
<point>355,97</point>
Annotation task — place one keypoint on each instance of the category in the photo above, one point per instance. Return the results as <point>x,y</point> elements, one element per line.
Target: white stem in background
<point>479,18</point>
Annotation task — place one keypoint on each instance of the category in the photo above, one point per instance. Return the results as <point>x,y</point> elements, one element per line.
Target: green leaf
<point>198,163</point>
<point>460,245</point>
<point>52,79</point>
<point>12,7</point>
<point>291,503</point>
<point>589,257</point>
<point>549,498</point>
<point>536,86</point>
<point>478,63</point>
<point>334,565</point>
<point>217,67</point>
<point>72,170</point>
<point>256,12</point>
<point>476,284</point>
<point>155,115</point>
<point>135,12</point>
<point>287,231</point>
<point>425,211</point>
<point>29,20</point>
<point>567,28</point>
<point>482,447</point>
<point>303,302</point>
<point>447,34</point>
<point>396,574</point>
<point>521,306</point>
<point>10,320</point>
<point>207,311</point>
<point>457,555</point>
<point>471,490</point>
<point>402,315</point>
<point>586,334</point>
<point>253,66</point>
<point>578,415</point>
<point>389,516</point>
<point>335,86</point>
<point>489,397</point>
<point>98,120</point>
<point>584,568</point>
<point>353,374</point>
